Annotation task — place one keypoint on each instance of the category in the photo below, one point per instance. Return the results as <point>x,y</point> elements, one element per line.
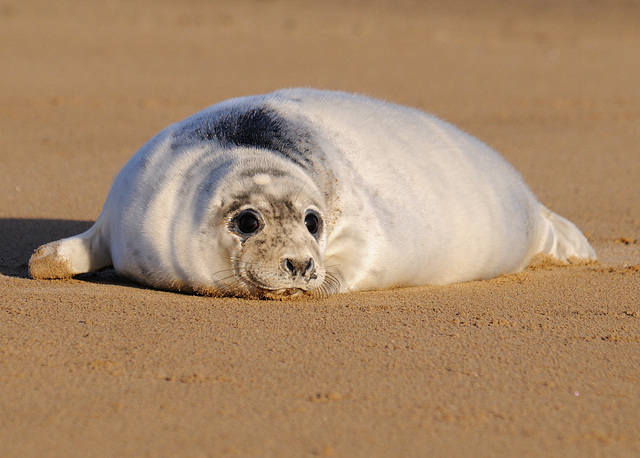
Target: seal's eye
<point>247,222</point>
<point>312,222</point>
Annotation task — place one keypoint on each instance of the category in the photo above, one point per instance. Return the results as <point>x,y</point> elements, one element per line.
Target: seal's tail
<point>564,240</point>
<point>65,258</point>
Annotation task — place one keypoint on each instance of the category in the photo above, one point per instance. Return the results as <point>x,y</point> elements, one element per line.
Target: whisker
<point>330,286</point>
<point>228,283</point>
<point>301,189</point>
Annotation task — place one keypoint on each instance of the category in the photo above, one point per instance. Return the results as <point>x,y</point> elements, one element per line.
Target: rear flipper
<point>564,240</point>
<point>65,258</point>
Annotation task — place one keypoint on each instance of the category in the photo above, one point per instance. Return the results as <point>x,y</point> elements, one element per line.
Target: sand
<point>541,363</point>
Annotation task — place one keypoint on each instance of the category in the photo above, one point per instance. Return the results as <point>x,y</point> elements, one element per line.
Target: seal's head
<point>274,235</point>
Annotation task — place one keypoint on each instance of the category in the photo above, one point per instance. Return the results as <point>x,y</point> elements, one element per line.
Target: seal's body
<point>313,192</point>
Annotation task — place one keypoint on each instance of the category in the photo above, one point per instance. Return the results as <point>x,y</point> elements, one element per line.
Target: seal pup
<point>311,192</point>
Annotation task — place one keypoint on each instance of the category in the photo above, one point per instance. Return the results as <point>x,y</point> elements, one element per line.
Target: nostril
<point>305,268</point>
<point>309,268</point>
<point>289,266</point>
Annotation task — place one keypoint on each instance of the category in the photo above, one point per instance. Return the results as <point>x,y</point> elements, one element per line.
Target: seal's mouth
<point>248,285</point>
<point>283,293</point>
<point>259,289</point>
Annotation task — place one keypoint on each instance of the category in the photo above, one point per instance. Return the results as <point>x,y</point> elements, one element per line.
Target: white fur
<point>408,200</point>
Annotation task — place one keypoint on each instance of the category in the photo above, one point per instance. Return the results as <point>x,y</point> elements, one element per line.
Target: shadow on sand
<point>19,237</point>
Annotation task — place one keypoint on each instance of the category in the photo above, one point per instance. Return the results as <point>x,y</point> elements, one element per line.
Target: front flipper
<point>65,258</point>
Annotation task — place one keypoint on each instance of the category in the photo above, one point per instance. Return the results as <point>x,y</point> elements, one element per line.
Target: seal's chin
<point>244,287</point>
<point>263,283</point>
<point>261,291</point>
<point>255,288</point>
<point>283,293</point>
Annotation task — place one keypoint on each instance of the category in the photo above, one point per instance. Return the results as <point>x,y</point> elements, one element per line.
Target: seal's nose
<point>300,267</point>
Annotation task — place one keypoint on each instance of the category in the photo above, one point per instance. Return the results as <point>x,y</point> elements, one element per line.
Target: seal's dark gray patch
<point>258,127</point>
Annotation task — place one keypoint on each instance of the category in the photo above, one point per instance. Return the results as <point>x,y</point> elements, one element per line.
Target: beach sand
<point>541,363</point>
